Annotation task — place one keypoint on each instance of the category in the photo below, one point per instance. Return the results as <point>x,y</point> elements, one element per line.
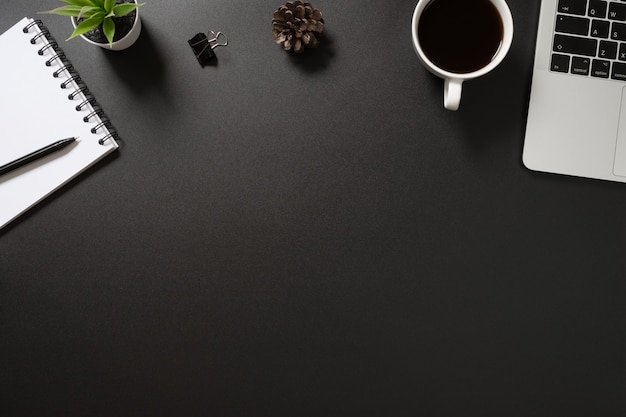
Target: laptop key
<point>580,65</point>
<point>617,11</point>
<point>573,6</point>
<point>572,24</point>
<point>619,71</point>
<point>597,8</point>
<point>600,28</point>
<point>560,63</point>
<point>600,68</point>
<point>618,31</point>
<point>573,45</point>
<point>607,50</point>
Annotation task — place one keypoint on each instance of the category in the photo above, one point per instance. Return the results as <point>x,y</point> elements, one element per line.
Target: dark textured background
<point>310,236</point>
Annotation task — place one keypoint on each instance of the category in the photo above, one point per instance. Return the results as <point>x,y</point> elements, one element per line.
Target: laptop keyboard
<point>590,38</point>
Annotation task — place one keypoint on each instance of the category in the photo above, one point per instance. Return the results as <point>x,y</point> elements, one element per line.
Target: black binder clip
<point>203,46</point>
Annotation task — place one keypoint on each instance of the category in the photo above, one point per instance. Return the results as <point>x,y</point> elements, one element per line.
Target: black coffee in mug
<point>460,36</point>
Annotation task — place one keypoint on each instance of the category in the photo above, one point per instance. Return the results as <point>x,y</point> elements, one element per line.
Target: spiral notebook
<point>43,100</point>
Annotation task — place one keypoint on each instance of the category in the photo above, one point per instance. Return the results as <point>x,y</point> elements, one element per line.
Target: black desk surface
<point>310,236</point>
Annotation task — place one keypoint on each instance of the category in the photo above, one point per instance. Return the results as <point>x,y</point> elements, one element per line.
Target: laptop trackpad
<point>619,166</point>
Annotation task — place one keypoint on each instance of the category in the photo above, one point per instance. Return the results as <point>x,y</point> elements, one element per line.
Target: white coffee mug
<point>453,81</point>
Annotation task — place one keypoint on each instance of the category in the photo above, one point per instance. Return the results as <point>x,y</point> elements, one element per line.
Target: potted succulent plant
<point>110,24</point>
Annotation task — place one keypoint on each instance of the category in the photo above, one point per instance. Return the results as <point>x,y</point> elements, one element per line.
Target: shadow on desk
<point>317,59</point>
<point>143,54</point>
<point>494,107</point>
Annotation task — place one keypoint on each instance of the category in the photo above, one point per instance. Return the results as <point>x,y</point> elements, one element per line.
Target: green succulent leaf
<point>87,25</point>
<point>108,27</point>
<point>108,5</point>
<point>125,8</point>
<point>87,11</point>
<point>94,13</point>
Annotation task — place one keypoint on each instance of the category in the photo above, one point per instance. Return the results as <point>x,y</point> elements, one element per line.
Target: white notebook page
<point>34,112</point>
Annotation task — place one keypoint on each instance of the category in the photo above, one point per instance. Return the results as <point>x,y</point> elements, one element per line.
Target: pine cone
<point>297,25</point>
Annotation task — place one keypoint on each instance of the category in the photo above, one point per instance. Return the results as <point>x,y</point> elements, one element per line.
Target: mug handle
<point>452,93</point>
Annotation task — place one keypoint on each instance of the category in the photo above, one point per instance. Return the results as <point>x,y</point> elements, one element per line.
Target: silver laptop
<point>577,113</point>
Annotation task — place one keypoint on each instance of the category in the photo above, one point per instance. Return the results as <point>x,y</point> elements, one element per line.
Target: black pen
<point>36,155</point>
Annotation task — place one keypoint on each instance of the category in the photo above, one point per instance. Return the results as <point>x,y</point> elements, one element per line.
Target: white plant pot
<point>121,44</point>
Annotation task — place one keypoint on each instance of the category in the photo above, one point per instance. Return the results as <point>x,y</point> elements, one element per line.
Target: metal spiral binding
<point>33,40</point>
<point>47,46</point>
<point>73,79</point>
<point>99,126</point>
<point>76,92</point>
<point>97,112</point>
<point>65,67</point>
<point>80,106</point>
<point>58,55</point>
